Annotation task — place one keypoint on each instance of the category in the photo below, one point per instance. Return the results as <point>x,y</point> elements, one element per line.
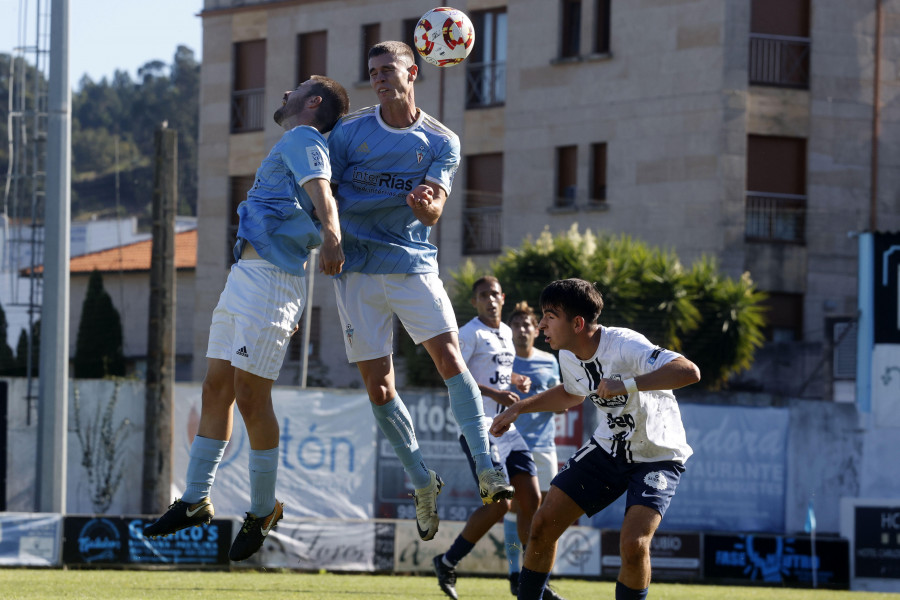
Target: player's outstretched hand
<point>503,421</point>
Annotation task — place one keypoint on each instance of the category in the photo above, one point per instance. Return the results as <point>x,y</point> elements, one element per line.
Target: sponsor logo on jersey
<point>364,148</point>
<point>504,359</point>
<point>614,402</point>
<point>242,351</point>
<point>654,356</point>
<point>367,180</point>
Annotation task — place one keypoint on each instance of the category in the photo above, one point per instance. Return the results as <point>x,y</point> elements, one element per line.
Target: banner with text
<point>437,434</point>
<point>120,540</point>
<point>736,478</point>
<point>327,452</point>
<point>30,540</point>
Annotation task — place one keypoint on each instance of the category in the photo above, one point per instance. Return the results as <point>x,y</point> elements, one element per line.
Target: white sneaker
<point>493,486</point>
<point>426,507</point>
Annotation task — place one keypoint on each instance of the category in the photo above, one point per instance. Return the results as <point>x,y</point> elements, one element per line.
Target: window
<point>784,317</point>
<point>776,189</point>
<point>409,36</point>
<point>779,43</point>
<point>601,29</point>
<point>598,174</point>
<point>371,35</point>
<point>295,347</point>
<point>486,66</point>
<point>248,91</point>
<point>843,339</point>
<point>570,29</point>
<point>312,55</point>
<point>237,193</point>
<point>484,204</point>
<point>566,171</point>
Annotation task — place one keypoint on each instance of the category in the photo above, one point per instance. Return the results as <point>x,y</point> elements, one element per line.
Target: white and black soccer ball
<point>444,36</point>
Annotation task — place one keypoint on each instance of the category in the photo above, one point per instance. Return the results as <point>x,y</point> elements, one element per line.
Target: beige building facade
<point>761,132</point>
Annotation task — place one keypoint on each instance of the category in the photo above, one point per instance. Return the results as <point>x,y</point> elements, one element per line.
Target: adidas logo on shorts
<point>243,352</point>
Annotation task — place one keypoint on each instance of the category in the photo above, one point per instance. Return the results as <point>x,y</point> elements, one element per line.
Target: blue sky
<point>105,35</point>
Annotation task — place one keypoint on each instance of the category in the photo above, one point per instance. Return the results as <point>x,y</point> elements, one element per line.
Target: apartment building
<point>762,132</point>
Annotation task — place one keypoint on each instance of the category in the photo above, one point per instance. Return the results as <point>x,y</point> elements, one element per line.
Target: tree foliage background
<point>714,320</point>
<point>113,122</point>
<point>98,348</point>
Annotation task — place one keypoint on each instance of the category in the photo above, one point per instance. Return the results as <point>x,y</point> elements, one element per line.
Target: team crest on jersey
<point>656,480</point>
<point>420,153</point>
<point>438,304</point>
<point>349,333</point>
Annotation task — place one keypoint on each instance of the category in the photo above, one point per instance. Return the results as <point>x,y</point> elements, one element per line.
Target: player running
<point>640,448</point>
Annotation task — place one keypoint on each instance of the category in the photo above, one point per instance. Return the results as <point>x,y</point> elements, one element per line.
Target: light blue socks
<point>468,409</point>
<point>513,545</point>
<point>263,473</point>
<point>206,454</point>
<point>395,423</point>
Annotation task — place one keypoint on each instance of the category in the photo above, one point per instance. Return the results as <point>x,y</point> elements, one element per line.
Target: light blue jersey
<point>375,167</point>
<point>538,428</point>
<point>277,216</point>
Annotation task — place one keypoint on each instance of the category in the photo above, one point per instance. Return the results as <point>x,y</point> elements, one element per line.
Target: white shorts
<point>366,303</point>
<point>547,467</point>
<point>255,317</point>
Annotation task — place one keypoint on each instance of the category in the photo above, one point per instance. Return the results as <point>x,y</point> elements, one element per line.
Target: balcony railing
<point>779,60</point>
<point>247,110</point>
<point>485,84</point>
<point>481,230</point>
<point>776,217</point>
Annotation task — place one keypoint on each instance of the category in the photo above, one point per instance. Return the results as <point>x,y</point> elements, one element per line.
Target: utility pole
<point>158,413</point>
<point>53,406</point>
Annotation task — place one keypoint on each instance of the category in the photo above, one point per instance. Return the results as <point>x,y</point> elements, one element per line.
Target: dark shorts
<point>594,479</point>
<point>517,462</point>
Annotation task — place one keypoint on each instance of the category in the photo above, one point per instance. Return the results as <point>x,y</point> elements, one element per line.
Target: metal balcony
<point>247,110</point>
<point>774,217</point>
<point>779,60</point>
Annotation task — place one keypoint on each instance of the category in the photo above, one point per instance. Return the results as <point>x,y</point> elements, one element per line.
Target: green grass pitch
<point>16,584</point>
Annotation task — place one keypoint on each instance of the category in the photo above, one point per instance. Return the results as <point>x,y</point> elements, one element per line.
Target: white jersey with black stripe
<point>640,427</point>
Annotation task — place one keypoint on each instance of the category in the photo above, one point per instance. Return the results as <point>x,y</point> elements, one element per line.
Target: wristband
<point>631,386</point>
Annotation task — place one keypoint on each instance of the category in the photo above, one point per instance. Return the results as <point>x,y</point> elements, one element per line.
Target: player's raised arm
<point>553,400</point>
<point>331,255</point>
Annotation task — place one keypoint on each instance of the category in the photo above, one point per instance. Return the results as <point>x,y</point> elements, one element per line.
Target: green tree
<point>22,351</point>
<point>7,358</point>
<point>98,348</point>
<point>128,112</point>
<point>715,321</point>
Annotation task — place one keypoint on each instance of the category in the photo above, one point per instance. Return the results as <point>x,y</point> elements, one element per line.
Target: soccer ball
<point>444,36</point>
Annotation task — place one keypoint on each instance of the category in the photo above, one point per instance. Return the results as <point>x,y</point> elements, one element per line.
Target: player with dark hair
<point>393,166</point>
<point>639,449</point>
<point>288,211</point>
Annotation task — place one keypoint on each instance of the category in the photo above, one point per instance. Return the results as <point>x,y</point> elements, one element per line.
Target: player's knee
<point>634,549</point>
<point>541,526</point>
